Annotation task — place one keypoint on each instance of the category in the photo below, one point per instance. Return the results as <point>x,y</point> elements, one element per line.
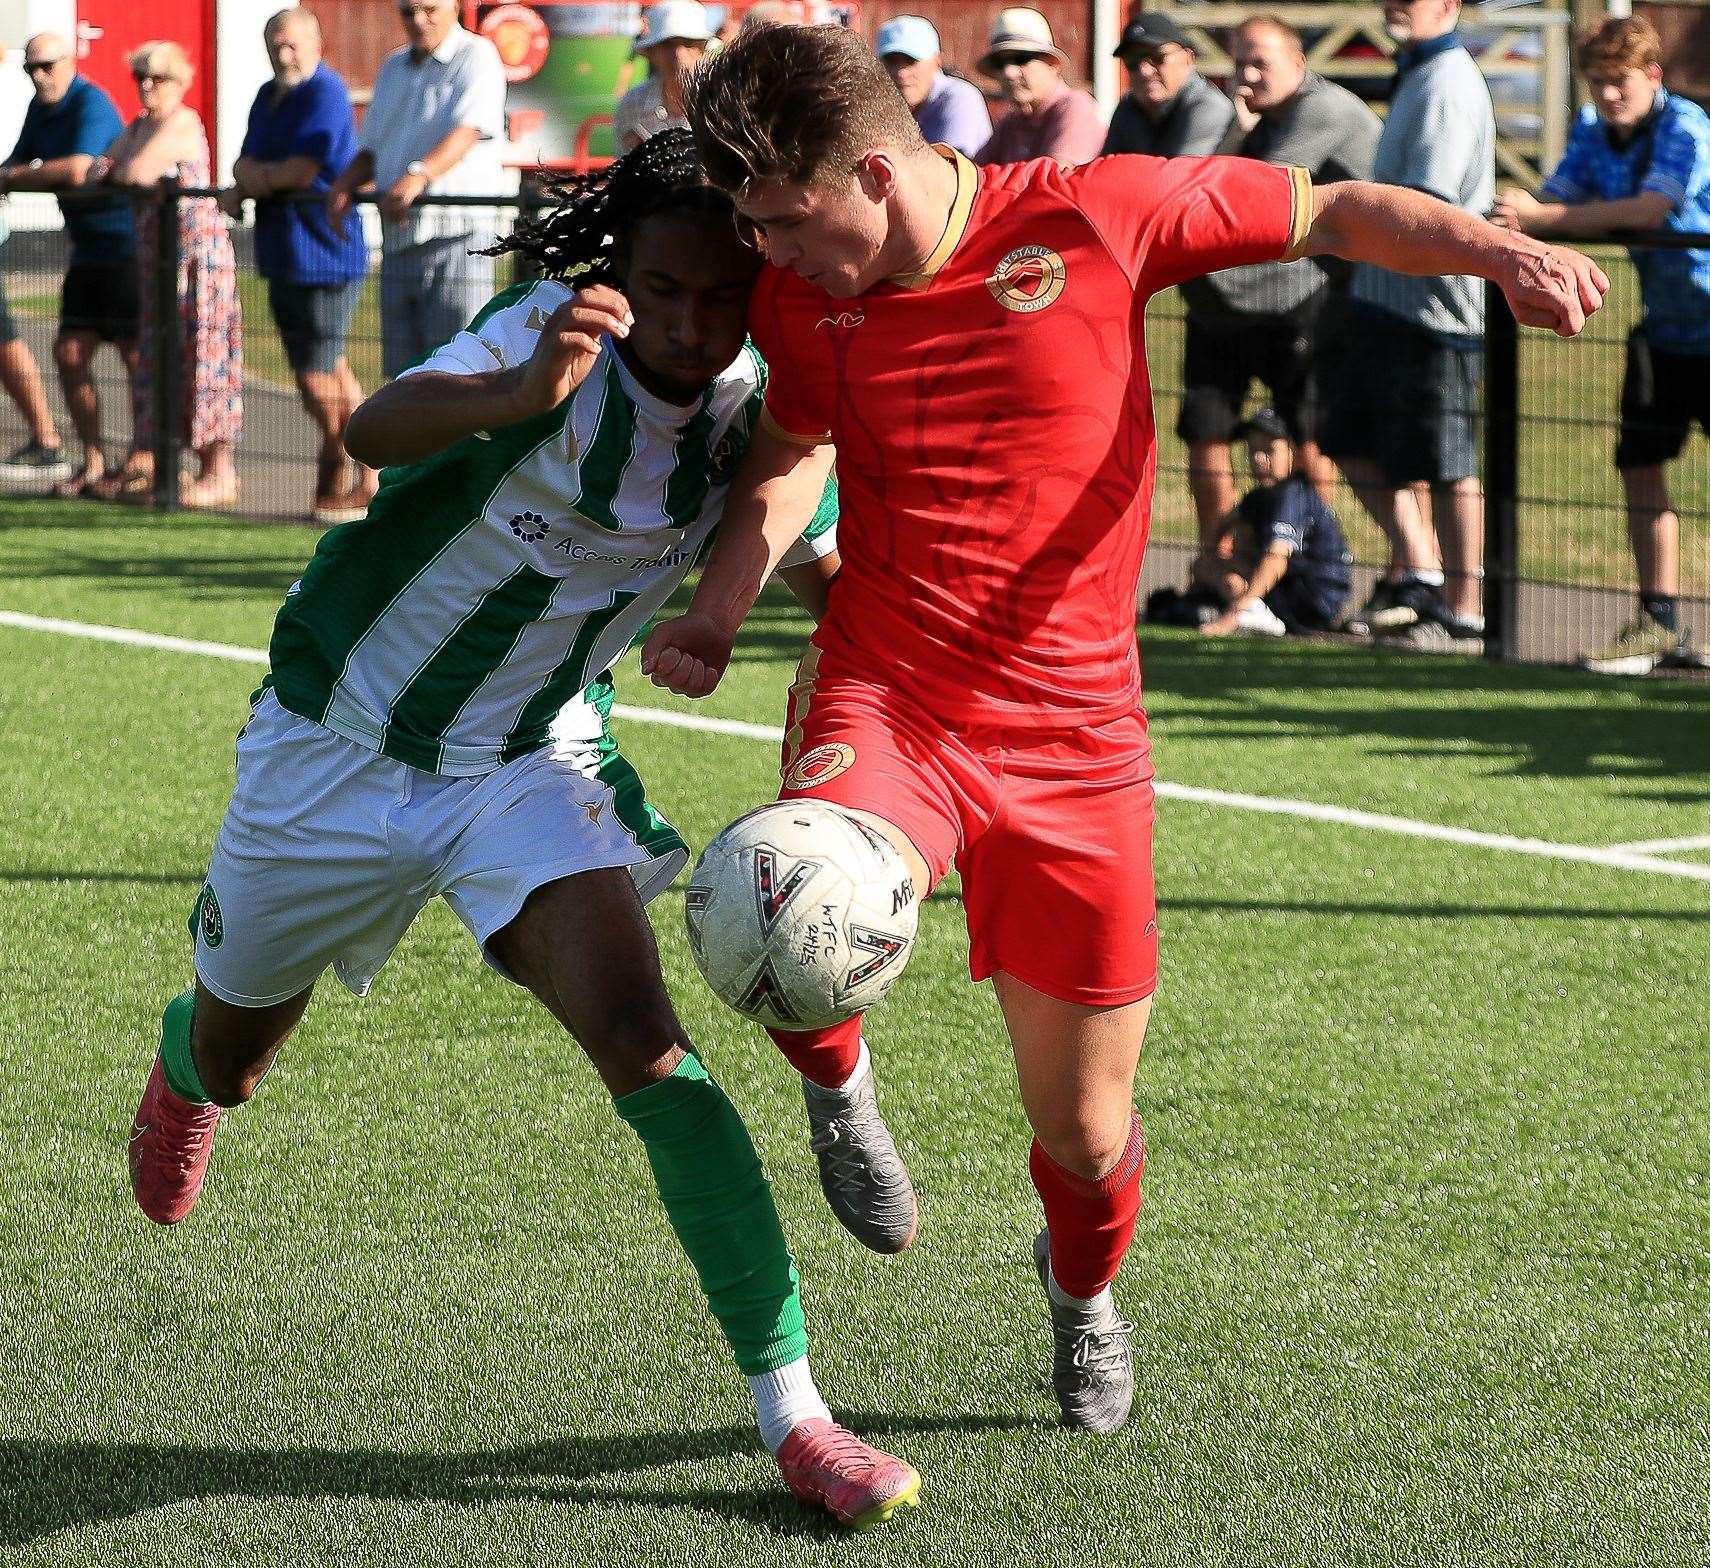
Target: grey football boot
<point>860,1172</point>
<point>1092,1366</point>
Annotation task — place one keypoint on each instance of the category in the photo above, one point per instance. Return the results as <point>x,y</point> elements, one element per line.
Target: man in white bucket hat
<point>673,38</point>
<point>1047,118</point>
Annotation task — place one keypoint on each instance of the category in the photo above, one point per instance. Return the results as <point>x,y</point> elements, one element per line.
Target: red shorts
<point>1051,830</point>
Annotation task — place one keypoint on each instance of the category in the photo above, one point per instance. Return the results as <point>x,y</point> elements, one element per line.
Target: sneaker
<point>1092,1366</point>
<point>1260,619</point>
<point>1687,655</point>
<point>860,1486</point>
<point>1640,648</point>
<point>33,463</point>
<point>1412,603</point>
<point>860,1172</point>
<point>171,1140</point>
<point>1363,621</point>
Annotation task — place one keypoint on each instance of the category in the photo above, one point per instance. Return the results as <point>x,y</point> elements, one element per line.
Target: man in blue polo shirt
<point>946,108</point>
<point>70,123</point>
<point>301,137</point>
<point>1639,158</point>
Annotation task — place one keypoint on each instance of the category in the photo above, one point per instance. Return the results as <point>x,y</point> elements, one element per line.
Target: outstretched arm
<point>424,413</point>
<point>1406,231</point>
<point>771,502</point>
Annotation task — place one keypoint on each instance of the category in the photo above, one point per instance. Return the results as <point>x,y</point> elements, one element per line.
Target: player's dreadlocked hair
<point>582,238</point>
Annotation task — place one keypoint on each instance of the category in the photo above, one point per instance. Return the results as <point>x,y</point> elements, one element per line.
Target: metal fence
<point>1559,570</point>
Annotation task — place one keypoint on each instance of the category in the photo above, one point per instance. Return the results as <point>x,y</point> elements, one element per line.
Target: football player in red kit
<point>972,341</point>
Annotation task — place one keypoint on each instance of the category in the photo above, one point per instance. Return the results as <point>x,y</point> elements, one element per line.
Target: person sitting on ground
<point>1280,564</point>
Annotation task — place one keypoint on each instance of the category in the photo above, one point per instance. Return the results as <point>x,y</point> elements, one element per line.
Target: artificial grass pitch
<point>1422,1275</point>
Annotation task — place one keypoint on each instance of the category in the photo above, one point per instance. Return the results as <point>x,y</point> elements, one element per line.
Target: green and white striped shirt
<point>459,625</point>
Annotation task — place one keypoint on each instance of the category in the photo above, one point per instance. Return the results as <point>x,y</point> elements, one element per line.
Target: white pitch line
<point>1665,846</point>
<point>1621,857</point>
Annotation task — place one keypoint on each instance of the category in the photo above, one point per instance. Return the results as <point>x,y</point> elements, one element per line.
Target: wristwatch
<point>417,168</point>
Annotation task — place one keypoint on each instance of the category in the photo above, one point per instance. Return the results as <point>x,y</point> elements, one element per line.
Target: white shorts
<point>329,850</point>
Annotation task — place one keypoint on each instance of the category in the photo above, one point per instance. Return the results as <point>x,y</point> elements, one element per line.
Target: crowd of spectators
<point>1367,372</point>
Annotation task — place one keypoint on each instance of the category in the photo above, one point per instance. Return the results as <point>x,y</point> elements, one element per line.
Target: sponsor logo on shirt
<point>1028,279</point>
<point>726,455</point>
<point>844,318</point>
<point>530,526</point>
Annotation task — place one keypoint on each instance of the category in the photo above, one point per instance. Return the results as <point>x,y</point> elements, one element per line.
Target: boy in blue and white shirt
<point>1639,158</point>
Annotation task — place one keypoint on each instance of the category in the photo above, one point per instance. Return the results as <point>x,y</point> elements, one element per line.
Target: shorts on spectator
<point>1662,394</point>
<point>1224,355</point>
<point>1397,395</point>
<point>101,297</point>
<point>313,321</point>
<point>1304,602</point>
<point>8,327</point>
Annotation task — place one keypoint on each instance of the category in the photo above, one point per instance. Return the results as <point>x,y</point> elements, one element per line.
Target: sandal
<point>77,487</point>
<point>202,495</point>
<point>132,485</point>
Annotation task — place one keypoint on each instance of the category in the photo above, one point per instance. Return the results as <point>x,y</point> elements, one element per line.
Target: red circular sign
<point>521,38</point>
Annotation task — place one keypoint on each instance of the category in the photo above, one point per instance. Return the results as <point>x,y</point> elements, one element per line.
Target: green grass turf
<point>1422,1276</point>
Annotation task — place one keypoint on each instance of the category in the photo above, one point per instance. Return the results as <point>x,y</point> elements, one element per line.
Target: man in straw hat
<point>1047,118</point>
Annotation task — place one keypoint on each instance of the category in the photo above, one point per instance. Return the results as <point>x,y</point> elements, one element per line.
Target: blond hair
<point>162,57</point>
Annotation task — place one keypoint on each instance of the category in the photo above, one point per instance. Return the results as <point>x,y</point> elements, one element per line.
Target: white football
<point>800,915</point>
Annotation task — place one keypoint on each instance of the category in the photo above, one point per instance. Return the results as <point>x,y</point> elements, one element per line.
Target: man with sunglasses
<point>433,128</point>
<point>1170,110</point>
<point>70,123</point>
<point>1047,118</point>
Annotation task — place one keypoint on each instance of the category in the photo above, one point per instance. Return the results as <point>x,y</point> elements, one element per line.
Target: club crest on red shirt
<point>1028,279</point>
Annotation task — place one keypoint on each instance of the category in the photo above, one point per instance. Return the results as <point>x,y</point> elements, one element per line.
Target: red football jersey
<point>993,423</point>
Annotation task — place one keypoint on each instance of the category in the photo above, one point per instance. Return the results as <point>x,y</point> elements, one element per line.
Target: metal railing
<point>1558,569</point>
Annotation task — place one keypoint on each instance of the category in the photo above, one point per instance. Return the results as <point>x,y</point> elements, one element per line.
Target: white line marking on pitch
<point>1621,857</point>
<point>1665,846</point>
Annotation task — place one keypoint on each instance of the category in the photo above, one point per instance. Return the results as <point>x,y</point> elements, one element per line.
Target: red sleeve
<point>792,408</point>
<point>1169,219</point>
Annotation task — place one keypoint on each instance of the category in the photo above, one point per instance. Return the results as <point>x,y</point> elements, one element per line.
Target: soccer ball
<point>800,915</point>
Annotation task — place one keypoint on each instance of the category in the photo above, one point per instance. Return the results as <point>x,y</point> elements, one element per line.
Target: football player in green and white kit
<point>434,721</point>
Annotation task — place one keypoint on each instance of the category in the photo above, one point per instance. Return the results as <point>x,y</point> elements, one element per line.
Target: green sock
<point>181,1075</point>
<point>720,1205</point>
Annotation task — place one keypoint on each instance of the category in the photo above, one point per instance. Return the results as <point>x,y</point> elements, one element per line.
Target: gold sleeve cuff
<point>769,423</point>
<point>1301,224</point>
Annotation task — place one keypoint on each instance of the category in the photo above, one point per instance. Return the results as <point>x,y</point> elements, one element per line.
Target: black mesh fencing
<point>1559,569</point>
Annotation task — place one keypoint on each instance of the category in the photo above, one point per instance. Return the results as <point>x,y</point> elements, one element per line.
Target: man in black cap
<point>1170,111</point>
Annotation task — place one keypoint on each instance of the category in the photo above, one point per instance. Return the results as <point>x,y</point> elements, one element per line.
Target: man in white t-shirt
<point>434,127</point>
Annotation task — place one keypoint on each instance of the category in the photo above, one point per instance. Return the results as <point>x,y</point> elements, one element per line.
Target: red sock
<point>825,1056</point>
<point>1091,1221</point>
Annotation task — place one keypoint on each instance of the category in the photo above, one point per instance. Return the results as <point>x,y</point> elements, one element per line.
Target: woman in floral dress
<point>167,141</point>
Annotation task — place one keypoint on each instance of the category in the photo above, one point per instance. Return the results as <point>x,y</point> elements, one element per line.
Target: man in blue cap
<point>946,108</point>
